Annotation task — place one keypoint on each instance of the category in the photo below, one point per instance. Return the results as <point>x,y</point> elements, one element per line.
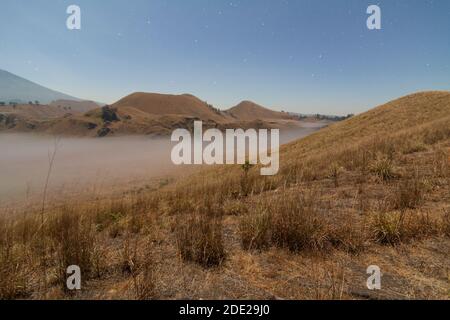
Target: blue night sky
<point>306,56</point>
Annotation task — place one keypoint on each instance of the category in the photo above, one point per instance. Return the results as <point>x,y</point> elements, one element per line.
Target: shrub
<point>409,193</point>
<point>234,208</point>
<point>109,114</point>
<point>144,282</point>
<point>441,163</point>
<point>445,224</point>
<point>74,242</point>
<point>199,239</point>
<point>247,179</point>
<point>382,167</point>
<point>129,256</point>
<point>14,283</point>
<point>144,276</point>
<point>387,228</point>
<point>297,225</point>
<point>255,230</point>
<point>396,227</point>
<point>348,234</point>
<point>413,146</point>
<point>335,171</point>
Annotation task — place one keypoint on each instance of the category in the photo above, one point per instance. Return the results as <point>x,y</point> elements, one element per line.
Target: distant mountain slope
<point>15,88</point>
<point>250,111</point>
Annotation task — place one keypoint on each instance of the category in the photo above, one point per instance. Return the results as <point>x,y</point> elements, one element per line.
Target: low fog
<point>88,165</point>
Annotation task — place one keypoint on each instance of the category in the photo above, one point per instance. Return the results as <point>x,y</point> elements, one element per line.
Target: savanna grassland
<point>371,190</point>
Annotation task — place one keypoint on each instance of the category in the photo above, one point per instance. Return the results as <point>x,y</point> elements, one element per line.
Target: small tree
<point>2,103</point>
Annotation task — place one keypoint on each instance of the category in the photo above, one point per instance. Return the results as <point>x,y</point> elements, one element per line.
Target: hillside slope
<point>372,190</point>
<point>164,104</point>
<point>406,113</point>
<point>75,106</point>
<point>140,114</point>
<point>249,111</point>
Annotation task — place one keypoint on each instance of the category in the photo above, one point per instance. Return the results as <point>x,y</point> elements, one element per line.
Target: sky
<point>306,56</point>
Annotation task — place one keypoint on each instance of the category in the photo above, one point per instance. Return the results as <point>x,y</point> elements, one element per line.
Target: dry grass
<point>389,195</point>
<point>297,224</point>
<point>254,230</point>
<point>14,282</point>
<point>399,227</point>
<point>73,242</point>
<point>409,193</point>
<point>382,167</point>
<point>445,225</point>
<point>199,239</point>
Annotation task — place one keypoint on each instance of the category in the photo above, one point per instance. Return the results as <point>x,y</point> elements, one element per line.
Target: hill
<point>138,114</point>
<point>16,89</point>
<point>371,190</point>
<point>155,104</point>
<point>249,111</point>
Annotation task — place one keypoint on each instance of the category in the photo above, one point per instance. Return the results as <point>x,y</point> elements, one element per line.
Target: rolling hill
<point>16,89</point>
<point>139,114</point>
<point>371,190</point>
<point>155,104</point>
<point>249,111</point>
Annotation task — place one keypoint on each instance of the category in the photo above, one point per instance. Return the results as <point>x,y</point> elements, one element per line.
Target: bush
<point>13,274</point>
<point>335,171</point>
<point>382,167</point>
<point>74,243</point>
<point>255,230</point>
<point>297,225</point>
<point>409,193</point>
<point>348,234</point>
<point>397,227</point>
<point>109,114</point>
<point>199,239</point>
<point>387,228</point>
<point>445,224</point>
<point>441,163</point>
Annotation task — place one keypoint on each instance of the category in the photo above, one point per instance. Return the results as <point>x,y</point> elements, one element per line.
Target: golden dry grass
<point>374,189</point>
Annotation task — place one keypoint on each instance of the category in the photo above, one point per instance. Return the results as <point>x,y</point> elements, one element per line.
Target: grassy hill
<point>164,104</point>
<point>140,114</point>
<point>249,111</point>
<point>372,190</point>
